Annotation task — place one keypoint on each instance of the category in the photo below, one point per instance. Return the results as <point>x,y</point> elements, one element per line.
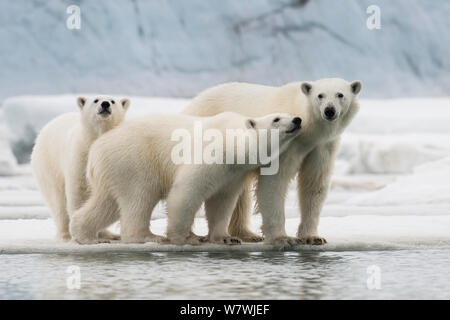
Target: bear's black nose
<point>330,113</point>
<point>297,121</point>
<point>105,104</point>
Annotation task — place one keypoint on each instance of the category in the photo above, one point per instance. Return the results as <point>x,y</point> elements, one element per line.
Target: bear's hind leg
<point>99,212</point>
<point>240,219</point>
<point>62,221</point>
<point>56,199</point>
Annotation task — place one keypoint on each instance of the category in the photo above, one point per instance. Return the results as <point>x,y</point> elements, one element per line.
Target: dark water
<point>403,274</point>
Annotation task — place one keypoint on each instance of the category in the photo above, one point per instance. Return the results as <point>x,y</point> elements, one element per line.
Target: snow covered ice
<point>390,188</point>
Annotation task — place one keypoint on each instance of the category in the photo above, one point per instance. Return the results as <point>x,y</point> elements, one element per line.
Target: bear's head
<point>102,113</point>
<point>286,126</point>
<point>285,123</point>
<point>331,99</point>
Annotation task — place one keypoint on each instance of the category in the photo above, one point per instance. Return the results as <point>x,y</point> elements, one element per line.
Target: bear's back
<point>52,142</point>
<point>248,99</point>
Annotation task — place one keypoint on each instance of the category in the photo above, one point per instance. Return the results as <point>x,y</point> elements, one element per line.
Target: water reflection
<point>233,275</point>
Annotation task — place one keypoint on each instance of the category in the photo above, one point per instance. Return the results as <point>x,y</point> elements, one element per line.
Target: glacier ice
<point>177,48</point>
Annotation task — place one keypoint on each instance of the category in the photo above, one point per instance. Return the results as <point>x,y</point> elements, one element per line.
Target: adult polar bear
<point>60,155</point>
<point>326,107</point>
<point>135,176</point>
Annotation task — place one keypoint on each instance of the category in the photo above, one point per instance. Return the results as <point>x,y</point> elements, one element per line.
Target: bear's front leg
<point>192,186</point>
<point>136,207</point>
<point>219,209</point>
<point>108,235</point>
<point>313,184</point>
<point>270,193</point>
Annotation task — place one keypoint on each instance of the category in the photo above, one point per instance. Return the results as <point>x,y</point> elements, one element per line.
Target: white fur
<point>311,155</point>
<point>60,155</point>
<point>130,170</point>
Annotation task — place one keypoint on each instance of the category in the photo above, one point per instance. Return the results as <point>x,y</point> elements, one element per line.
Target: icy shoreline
<point>351,233</point>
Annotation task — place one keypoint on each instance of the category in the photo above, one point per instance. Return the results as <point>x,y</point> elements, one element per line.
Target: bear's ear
<point>250,123</point>
<point>125,103</point>
<point>81,101</point>
<point>356,87</point>
<point>306,88</point>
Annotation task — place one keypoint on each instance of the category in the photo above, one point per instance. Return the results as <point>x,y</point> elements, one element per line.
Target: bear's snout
<point>105,104</point>
<point>297,121</point>
<point>330,113</point>
<point>105,108</point>
<point>296,125</point>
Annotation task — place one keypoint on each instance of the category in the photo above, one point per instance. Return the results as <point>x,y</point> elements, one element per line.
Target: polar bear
<point>138,164</point>
<point>60,154</point>
<point>326,106</point>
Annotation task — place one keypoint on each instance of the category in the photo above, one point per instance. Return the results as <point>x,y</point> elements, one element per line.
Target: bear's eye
<point>320,96</point>
<point>276,119</point>
<point>112,101</point>
<point>340,95</point>
<point>96,100</point>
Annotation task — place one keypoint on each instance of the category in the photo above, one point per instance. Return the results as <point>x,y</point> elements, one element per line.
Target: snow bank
<point>402,116</point>
<point>8,163</point>
<point>391,153</point>
<point>363,233</point>
<point>396,135</point>
<point>429,184</point>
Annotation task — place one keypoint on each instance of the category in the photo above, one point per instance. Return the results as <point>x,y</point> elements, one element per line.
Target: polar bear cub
<point>138,164</point>
<point>61,151</point>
